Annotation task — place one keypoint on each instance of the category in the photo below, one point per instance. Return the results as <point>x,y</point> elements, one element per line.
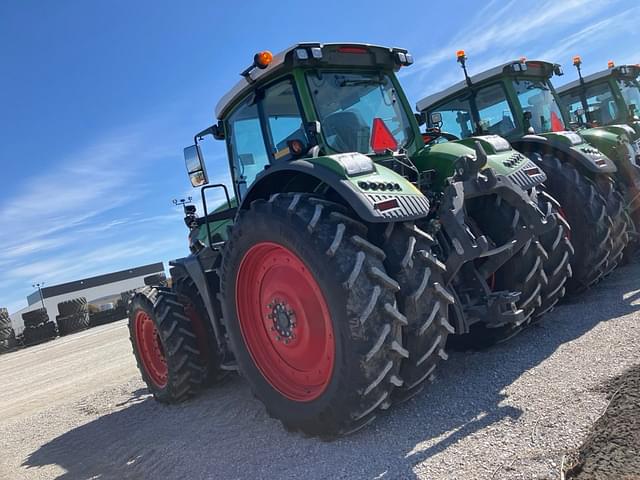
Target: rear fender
<point>200,269</point>
<point>366,193</point>
<point>569,147</point>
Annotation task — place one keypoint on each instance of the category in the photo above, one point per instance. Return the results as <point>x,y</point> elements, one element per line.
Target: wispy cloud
<point>71,219</point>
<point>504,26</point>
<point>593,34</point>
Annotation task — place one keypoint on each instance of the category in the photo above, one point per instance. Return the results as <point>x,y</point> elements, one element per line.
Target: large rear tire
<point>424,301</point>
<point>606,187</point>
<point>558,257</point>
<point>586,211</point>
<point>165,345</point>
<point>311,314</point>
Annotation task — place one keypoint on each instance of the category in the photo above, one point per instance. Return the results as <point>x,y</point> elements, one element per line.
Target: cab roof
<point>383,55</point>
<point>478,78</point>
<point>599,76</point>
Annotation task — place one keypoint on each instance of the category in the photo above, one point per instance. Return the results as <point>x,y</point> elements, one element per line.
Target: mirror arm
<point>203,133</point>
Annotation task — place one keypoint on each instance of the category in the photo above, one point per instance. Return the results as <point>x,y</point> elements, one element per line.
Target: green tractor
<point>604,107</point>
<point>330,278</point>
<point>517,101</point>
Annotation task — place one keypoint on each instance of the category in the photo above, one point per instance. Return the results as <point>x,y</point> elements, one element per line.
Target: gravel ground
<point>76,408</point>
<point>612,448</point>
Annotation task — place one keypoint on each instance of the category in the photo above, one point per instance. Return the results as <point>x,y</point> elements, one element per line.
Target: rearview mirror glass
<point>436,118</point>
<point>195,166</point>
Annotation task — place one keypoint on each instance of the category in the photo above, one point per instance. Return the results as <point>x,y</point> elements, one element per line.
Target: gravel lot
<point>76,408</point>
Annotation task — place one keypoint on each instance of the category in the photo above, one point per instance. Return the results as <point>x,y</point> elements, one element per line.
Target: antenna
<point>577,62</point>
<point>182,201</point>
<point>462,60</point>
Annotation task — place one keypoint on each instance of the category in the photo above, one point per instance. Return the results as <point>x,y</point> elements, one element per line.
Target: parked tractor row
<point>356,248</point>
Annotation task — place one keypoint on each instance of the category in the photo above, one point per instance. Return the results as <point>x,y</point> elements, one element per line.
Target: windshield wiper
<point>541,86</point>
<point>358,83</point>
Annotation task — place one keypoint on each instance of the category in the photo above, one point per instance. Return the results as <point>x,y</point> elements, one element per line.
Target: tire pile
<point>73,316</point>
<point>7,334</point>
<point>37,327</point>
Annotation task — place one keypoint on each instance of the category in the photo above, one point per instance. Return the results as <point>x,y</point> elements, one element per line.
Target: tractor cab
<point>510,100</point>
<point>606,98</point>
<point>311,112</point>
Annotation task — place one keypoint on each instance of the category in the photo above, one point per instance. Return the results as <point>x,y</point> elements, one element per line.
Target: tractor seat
<point>345,132</point>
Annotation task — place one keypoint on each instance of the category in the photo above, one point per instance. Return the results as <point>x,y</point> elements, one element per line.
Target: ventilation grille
<point>523,177</point>
<point>409,206</point>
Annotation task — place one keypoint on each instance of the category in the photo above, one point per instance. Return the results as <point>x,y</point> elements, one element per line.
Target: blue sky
<point>97,100</point>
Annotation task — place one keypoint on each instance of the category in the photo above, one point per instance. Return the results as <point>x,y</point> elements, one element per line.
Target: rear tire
<point>165,345</point>
<point>606,187</point>
<point>557,259</point>
<point>356,325</point>
<point>586,211</point>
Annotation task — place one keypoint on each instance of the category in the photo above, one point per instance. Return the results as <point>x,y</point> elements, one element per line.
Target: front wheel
<point>165,345</point>
<point>311,314</point>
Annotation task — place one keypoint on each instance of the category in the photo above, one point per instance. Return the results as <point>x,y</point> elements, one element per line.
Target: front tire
<point>165,345</point>
<point>311,314</point>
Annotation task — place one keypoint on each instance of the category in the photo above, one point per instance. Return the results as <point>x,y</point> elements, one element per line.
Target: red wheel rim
<point>150,349</point>
<point>285,321</point>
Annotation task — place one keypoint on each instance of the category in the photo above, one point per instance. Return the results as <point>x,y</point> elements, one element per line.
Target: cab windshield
<point>536,97</point>
<point>347,105</point>
<point>631,92</point>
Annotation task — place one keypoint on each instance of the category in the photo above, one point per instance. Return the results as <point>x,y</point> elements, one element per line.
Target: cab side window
<point>494,111</point>
<point>282,118</point>
<point>246,145</point>
<point>456,118</point>
<point>602,104</point>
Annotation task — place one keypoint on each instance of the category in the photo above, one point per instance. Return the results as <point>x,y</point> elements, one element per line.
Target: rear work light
<point>386,205</point>
<point>357,50</point>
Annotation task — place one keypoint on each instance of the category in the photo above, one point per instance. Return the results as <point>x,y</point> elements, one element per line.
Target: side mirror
<point>420,118</point>
<point>557,69</point>
<point>436,119</point>
<point>195,166</point>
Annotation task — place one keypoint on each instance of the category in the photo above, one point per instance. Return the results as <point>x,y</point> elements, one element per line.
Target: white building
<point>91,288</point>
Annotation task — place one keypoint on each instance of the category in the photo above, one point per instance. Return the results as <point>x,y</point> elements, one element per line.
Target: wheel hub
<point>284,320</point>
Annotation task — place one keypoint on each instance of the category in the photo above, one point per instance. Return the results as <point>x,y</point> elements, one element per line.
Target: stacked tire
<point>7,334</point>
<point>37,327</point>
<point>73,316</point>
